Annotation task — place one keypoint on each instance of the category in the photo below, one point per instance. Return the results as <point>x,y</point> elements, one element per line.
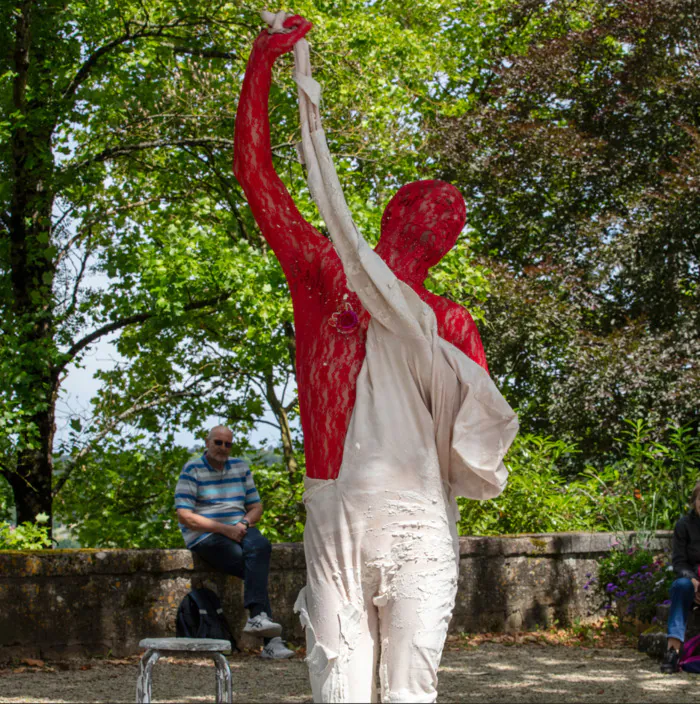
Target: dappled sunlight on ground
<point>488,672</point>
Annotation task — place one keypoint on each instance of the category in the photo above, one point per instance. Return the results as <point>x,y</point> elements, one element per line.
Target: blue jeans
<point>249,560</point>
<point>682,597</point>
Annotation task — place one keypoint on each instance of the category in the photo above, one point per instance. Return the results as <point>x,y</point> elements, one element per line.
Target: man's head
<point>420,225</point>
<point>218,443</point>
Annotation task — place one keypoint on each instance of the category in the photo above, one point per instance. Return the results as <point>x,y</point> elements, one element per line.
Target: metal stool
<point>188,647</point>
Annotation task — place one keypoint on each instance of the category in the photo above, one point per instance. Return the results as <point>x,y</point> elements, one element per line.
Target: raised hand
<point>275,41</point>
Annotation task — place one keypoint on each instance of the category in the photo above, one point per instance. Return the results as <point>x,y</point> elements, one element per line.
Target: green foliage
<point>648,488</point>
<point>126,219</point>
<point>572,130</point>
<point>281,494</point>
<point>26,536</point>
<point>7,513</point>
<point>634,580</point>
<point>124,497</point>
<point>578,154</point>
<point>537,498</point>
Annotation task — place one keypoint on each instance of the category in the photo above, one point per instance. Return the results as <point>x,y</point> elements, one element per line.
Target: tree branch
<point>204,53</point>
<point>290,334</point>
<point>285,431</point>
<point>90,63</point>
<point>146,30</point>
<point>133,410</point>
<point>112,152</point>
<point>294,402</point>
<point>78,280</point>
<point>129,320</point>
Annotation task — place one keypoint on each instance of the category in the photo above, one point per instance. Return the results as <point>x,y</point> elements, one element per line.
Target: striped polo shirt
<point>220,495</point>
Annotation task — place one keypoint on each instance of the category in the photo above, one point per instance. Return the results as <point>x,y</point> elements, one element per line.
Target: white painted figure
<point>428,424</point>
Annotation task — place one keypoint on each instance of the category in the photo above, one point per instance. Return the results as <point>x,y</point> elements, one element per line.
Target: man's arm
<point>253,513</point>
<point>290,236</point>
<point>236,532</point>
<point>194,521</point>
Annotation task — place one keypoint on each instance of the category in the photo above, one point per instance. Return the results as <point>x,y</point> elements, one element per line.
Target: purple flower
<point>585,587</point>
<point>610,588</point>
<point>630,581</point>
<point>621,594</point>
<point>622,573</point>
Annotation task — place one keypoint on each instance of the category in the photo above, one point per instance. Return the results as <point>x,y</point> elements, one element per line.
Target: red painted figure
<point>420,225</point>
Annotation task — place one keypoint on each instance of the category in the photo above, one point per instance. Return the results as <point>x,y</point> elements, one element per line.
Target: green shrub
<point>645,490</point>
<point>537,499</point>
<point>281,495</point>
<point>649,487</point>
<point>25,536</point>
<point>124,498</point>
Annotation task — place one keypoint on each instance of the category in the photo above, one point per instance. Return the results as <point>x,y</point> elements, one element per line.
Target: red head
<point>420,225</point>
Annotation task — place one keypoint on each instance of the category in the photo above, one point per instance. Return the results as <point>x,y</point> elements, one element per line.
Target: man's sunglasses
<point>219,443</point>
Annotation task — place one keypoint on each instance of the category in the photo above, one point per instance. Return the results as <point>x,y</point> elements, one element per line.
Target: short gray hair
<point>218,427</point>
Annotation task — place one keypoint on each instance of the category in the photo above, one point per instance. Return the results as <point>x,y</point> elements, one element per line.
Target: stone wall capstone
<point>57,603</point>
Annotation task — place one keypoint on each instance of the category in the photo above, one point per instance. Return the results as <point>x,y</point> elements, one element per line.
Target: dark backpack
<point>689,660</point>
<point>200,616</point>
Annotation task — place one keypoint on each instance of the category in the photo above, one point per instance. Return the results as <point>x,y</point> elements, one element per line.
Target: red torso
<point>329,361</point>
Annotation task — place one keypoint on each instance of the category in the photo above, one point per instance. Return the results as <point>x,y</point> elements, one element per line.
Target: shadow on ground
<point>487,673</point>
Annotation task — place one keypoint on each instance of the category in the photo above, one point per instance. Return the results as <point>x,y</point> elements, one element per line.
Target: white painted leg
<point>143,684</point>
<point>224,693</point>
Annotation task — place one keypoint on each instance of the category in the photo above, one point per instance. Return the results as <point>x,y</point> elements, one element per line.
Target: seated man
<point>217,506</point>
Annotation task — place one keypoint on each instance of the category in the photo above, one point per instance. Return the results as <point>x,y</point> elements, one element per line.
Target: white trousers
<point>382,569</point>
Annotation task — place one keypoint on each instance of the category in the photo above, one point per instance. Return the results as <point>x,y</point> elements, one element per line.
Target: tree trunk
<point>290,461</point>
<point>31,484</point>
<point>31,327</point>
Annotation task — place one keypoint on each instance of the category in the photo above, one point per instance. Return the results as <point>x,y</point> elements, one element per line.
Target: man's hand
<point>236,532</point>
<point>696,584</point>
<point>279,43</point>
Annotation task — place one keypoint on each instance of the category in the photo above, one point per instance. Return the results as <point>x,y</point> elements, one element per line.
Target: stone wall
<point>55,603</point>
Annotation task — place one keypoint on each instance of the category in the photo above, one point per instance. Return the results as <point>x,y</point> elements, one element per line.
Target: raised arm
<point>290,236</point>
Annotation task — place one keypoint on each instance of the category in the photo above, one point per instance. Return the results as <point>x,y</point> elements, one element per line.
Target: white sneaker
<point>276,650</point>
<point>262,625</point>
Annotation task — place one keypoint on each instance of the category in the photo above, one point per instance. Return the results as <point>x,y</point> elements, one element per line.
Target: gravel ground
<point>489,672</point>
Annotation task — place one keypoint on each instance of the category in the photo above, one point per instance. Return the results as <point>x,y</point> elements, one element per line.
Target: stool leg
<point>223,680</point>
<point>143,684</point>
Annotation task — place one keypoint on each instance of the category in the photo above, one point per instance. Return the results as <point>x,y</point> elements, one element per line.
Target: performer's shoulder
<point>451,315</point>
<point>457,326</point>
